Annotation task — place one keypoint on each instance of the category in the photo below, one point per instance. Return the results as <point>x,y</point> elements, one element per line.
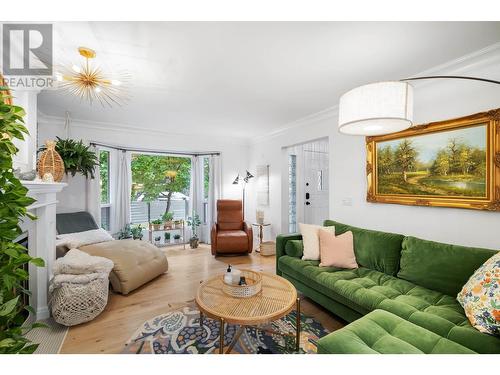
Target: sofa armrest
<point>281,241</point>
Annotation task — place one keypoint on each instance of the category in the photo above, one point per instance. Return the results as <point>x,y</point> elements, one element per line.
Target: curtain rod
<point>123,148</point>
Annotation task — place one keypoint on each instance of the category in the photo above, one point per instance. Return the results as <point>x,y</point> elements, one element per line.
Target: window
<point>292,193</point>
<point>206,179</point>
<point>160,184</point>
<point>105,201</point>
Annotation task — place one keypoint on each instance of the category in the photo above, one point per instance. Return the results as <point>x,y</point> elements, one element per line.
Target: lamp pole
<point>244,181</point>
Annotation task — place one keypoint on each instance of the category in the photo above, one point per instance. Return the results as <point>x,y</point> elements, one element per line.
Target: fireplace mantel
<point>41,241</point>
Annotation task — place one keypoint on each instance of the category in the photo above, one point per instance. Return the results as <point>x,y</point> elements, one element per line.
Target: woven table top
<point>276,299</point>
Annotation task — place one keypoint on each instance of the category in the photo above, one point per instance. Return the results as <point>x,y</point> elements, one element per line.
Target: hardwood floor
<point>187,268</point>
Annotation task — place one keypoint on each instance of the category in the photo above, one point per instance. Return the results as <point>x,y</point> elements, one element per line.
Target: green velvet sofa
<point>401,299</point>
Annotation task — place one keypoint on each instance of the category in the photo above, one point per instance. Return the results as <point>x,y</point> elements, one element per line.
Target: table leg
<point>261,237</point>
<point>221,337</point>
<point>297,325</point>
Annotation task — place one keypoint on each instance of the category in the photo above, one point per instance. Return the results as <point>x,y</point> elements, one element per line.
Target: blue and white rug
<point>179,332</point>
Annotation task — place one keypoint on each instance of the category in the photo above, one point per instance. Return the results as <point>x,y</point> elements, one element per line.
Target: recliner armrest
<point>249,231</point>
<point>213,239</point>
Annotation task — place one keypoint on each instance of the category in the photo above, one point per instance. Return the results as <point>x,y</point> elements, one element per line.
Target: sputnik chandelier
<point>88,81</point>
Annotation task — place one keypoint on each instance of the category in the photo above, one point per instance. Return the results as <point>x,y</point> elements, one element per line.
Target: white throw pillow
<point>310,239</point>
<point>88,237</point>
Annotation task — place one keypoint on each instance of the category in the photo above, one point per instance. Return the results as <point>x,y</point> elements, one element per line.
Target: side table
<point>261,234</point>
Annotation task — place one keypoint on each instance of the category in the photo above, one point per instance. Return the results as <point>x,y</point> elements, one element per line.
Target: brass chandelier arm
<point>452,77</point>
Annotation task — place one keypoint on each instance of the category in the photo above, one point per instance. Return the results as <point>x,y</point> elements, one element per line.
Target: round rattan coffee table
<point>277,298</point>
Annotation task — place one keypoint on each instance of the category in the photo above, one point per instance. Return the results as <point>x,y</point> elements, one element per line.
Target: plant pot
<point>178,224</point>
<point>169,224</point>
<point>156,226</point>
<point>194,242</point>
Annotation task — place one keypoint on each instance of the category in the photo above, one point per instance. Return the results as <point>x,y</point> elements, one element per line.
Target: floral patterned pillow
<point>480,297</point>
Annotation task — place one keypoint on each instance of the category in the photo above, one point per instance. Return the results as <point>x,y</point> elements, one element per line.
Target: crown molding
<point>107,126</point>
<point>324,114</point>
<point>483,57</point>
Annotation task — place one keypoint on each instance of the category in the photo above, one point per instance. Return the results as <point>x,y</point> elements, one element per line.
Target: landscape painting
<point>450,163</point>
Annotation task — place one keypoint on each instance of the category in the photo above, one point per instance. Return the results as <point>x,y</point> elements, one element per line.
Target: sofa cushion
<point>294,248</point>
<point>365,290</point>
<point>337,251</point>
<point>437,266</point>
<point>231,240</point>
<point>386,333</point>
<point>375,250</point>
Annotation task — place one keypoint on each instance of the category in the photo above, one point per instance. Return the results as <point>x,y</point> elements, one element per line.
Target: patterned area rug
<point>179,332</point>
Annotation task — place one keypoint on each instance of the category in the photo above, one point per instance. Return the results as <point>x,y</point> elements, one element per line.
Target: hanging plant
<point>13,256</point>
<point>77,157</point>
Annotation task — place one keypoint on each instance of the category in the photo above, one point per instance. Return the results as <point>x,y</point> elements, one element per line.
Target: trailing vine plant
<point>13,256</point>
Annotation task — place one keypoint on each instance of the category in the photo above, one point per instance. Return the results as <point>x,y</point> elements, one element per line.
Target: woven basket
<point>6,92</point>
<point>268,248</point>
<point>51,162</point>
<point>254,285</point>
<point>74,304</point>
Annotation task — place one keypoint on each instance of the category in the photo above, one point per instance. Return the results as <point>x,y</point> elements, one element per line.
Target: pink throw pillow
<point>337,251</point>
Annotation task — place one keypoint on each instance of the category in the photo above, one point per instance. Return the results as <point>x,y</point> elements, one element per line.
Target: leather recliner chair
<point>230,234</point>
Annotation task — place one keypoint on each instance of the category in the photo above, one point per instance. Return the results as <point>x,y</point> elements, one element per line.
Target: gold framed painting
<point>452,163</point>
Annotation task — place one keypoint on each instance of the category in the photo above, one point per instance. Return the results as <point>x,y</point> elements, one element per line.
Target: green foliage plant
<point>167,216</point>
<point>77,157</point>
<point>194,221</point>
<point>157,221</point>
<point>136,232</point>
<point>13,256</point>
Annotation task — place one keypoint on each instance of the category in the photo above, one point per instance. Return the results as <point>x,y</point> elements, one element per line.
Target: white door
<point>307,182</point>
<point>315,199</point>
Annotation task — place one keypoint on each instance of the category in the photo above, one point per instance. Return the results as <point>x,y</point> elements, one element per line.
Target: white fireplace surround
<point>41,241</point>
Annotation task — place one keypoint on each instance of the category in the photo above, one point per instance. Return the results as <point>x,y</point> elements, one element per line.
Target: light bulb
<point>76,68</point>
<point>97,89</point>
<point>115,82</point>
<point>59,77</point>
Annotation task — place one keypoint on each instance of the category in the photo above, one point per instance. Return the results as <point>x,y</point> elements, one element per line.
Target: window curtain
<point>120,212</point>
<point>93,191</point>
<point>196,189</point>
<point>214,192</point>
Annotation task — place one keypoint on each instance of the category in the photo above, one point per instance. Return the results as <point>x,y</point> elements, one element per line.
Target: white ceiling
<point>245,79</point>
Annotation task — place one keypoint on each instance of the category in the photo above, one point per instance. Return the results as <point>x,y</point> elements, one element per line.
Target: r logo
<point>27,49</point>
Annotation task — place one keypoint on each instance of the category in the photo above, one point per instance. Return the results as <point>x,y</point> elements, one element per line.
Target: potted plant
<point>125,233</point>
<point>194,222</point>
<point>13,256</point>
<point>157,240</point>
<point>167,237</point>
<point>136,232</point>
<point>167,219</point>
<point>156,224</point>
<point>178,224</point>
<point>77,157</point>
<point>177,237</point>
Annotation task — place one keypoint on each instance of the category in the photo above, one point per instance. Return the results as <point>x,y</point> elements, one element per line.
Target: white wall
<point>434,101</point>
<point>234,152</point>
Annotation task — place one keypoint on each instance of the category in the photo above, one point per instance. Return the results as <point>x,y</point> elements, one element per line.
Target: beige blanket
<point>135,262</point>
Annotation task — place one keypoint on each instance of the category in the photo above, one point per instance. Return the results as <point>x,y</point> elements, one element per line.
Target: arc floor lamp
<point>383,107</point>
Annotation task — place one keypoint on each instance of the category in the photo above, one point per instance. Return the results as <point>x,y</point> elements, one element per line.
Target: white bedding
<point>77,262</point>
<point>88,237</point>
